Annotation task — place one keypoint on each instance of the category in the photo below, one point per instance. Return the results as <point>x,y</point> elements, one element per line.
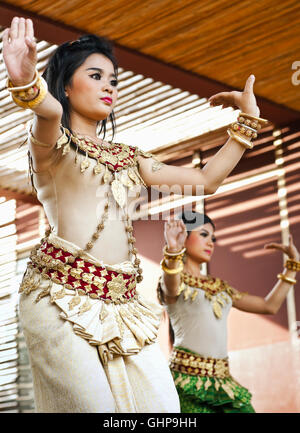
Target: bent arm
<point>210,177</point>
<point>271,303</point>
<point>169,283</point>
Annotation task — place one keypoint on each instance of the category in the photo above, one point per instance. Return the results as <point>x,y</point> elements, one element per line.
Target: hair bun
<point>194,219</point>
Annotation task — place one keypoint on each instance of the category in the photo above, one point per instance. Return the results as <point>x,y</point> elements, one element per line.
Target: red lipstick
<point>107,100</point>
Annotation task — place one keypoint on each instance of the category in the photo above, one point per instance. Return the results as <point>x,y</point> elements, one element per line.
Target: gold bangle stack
<point>174,271</point>
<point>177,257</point>
<point>289,280</point>
<point>29,95</point>
<point>245,129</point>
<point>292,265</point>
<point>173,256</point>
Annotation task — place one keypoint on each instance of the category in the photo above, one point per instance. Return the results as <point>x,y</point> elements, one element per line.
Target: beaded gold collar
<point>216,291</point>
<point>210,284</point>
<point>111,159</point>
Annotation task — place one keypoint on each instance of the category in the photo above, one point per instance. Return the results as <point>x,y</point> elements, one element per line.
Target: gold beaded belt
<point>97,282</point>
<point>196,365</point>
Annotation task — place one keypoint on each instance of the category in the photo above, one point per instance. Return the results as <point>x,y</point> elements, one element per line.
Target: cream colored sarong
<point>82,362</point>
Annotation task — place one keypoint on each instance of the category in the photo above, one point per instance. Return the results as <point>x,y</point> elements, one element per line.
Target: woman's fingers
<point>291,241</point>
<point>21,30</point>
<point>274,245</point>
<point>31,45</point>
<point>217,98</point>
<point>249,84</point>
<point>14,28</point>
<point>5,37</point>
<point>29,29</point>
<point>279,247</point>
<point>224,98</point>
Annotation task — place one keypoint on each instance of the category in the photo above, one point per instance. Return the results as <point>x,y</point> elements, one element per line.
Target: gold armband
<point>286,279</point>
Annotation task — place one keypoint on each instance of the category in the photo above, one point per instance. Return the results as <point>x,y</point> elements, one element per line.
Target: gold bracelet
<point>249,120</point>
<point>171,271</point>
<point>173,256</point>
<point>179,253</point>
<point>292,265</point>
<point>40,96</point>
<point>239,139</point>
<point>286,279</point>
<point>10,87</point>
<point>248,131</point>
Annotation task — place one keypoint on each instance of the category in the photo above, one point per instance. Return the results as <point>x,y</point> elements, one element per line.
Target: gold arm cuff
<point>239,139</point>
<point>292,265</point>
<point>171,271</point>
<point>43,89</point>
<point>286,279</point>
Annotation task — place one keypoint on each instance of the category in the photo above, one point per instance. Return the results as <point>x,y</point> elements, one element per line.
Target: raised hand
<point>244,100</point>
<point>175,235</point>
<point>290,249</point>
<point>19,51</point>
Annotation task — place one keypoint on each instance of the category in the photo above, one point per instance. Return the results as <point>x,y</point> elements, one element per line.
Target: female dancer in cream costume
<point>198,307</point>
<point>82,275</point>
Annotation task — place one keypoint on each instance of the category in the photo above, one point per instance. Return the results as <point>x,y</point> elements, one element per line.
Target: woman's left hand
<point>289,249</point>
<point>244,100</point>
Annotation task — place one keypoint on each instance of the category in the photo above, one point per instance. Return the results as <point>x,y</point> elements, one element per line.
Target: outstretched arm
<point>219,166</point>
<point>20,58</point>
<point>275,298</point>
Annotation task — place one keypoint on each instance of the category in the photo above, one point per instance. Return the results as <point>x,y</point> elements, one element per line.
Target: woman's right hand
<point>19,51</point>
<point>175,235</point>
<point>290,250</point>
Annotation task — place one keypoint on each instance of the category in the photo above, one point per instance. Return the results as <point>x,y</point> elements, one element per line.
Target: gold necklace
<point>216,290</point>
<point>92,139</point>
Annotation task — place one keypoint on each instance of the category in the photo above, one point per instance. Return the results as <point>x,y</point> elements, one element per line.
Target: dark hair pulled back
<point>193,219</point>
<point>66,59</point>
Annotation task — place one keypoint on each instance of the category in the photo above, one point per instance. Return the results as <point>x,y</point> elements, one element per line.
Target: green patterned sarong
<point>203,394</point>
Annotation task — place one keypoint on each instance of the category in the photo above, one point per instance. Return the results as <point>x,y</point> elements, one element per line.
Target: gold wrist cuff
<point>257,120</point>
<point>171,271</point>
<point>292,265</point>
<point>173,256</point>
<point>246,143</point>
<point>286,279</point>
<point>40,96</point>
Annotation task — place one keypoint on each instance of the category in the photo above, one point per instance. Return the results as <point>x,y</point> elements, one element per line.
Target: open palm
<point>244,100</point>
<point>175,234</point>
<point>290,250</point>
<point>19,51</point>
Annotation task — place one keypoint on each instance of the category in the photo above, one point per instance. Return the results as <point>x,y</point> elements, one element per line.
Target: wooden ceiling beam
<point>139,63</point>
